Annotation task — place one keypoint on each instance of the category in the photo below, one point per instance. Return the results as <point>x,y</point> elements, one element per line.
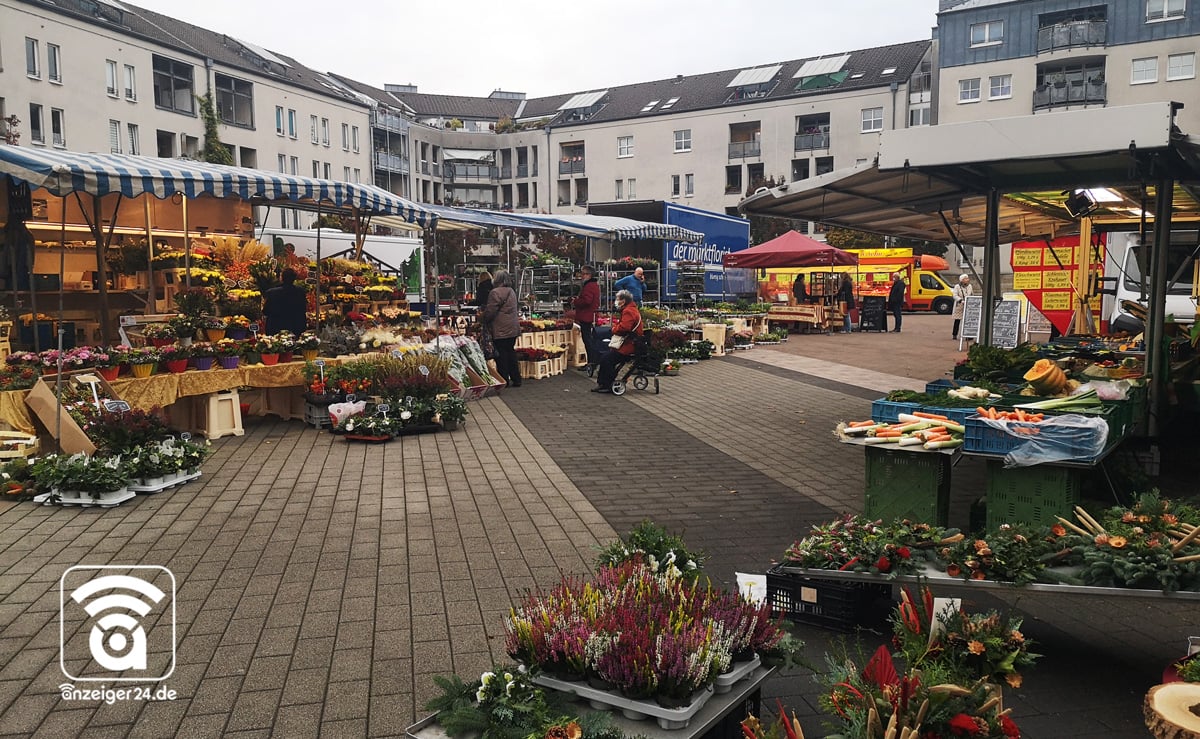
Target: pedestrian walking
<point>962,291</point>
<point>502,320</point>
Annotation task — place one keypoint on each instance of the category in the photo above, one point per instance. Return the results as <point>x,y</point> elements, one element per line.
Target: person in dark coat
<point>502,319</point>
<point>482,289</point>
<point>800,290</point>
<point>586,303</point>
<point>846,298</point>
<point>286,306</point>
<point>895,300</point>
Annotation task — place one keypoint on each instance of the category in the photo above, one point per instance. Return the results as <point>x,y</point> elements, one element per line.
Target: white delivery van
<point>390,251</point>
<point>1124,278</point>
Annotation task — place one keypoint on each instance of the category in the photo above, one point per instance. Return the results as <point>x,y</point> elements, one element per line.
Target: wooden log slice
<point>1172,710</point>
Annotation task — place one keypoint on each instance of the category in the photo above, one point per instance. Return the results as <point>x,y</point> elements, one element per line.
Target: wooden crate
<point>535,370</point>
<point>14,444</point>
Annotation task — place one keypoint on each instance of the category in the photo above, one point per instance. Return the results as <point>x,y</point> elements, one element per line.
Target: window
<point>283,163</point>
<point>293,165</point>
<point>325,132</point>
<point>110,77</point>
<point>669,104</point>
<point>649,106</point>
<point>345,137</point>
<point>327,171</point>
<point>1000,86</point>
<point>1158,10</point>
<point>1145,70</point>
<point>37,133</point>
<point>689,185</point>
<point>291,120</point>
<point>624,146</point>
<point>674,185</point>
<point>968,90</point>
<point>135,146</point>
<point>58,131</point>
<point>313,135</point>
<point>632,188</point>
<point>278,120</point>
<point>919,115</point>
<point>683,140</point>
<point>619,190</point>
<point>316,168</point>
<point>357,175</point>
<point>130,83</point>
<point>354,138</point>
<point>114,136</point>
<point>872,119</point>
<point>986,34</point>
<point>53,63</point>
<point>32,67</point>
<point>1181,66</point>
<point>173,88</point>
<point>345,174</point>
<point>235,101</point>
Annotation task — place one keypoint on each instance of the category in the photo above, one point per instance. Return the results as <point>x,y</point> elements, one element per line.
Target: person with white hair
<point>962,291</point>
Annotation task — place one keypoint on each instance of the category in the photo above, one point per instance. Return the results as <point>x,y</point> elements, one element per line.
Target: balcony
<point>435,169</point>
<point>458,172</point>
<point>809,141</point>
<point>573,165</point>
<point>522,170</point>
<point>506,173</point>
<point>1073,93</point>
<point>388,122</point>
<point>1071,34</point>
<point>388,162</point>
<point>743,149</point>
<point>424,168</point>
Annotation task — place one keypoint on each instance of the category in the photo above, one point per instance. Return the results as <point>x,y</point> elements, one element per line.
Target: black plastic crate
<point>835,604</point>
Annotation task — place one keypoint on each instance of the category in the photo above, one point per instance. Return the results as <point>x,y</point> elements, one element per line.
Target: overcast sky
<point>471,47</point>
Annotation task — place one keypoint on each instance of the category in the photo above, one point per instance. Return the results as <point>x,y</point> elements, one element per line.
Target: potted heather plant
<point>159,334</point>
<point>184,327</point>
<point>214,328</point>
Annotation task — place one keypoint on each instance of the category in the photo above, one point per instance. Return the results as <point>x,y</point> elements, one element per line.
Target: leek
<point>1080,401</point>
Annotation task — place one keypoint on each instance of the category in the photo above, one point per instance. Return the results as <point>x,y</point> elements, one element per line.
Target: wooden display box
<point>44,405</point>
<point>477,388</point>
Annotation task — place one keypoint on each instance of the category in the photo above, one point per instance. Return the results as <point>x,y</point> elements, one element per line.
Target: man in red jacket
<point>586,304</point>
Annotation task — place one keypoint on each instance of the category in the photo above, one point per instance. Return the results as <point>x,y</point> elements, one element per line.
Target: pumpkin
<point>1046,377</point>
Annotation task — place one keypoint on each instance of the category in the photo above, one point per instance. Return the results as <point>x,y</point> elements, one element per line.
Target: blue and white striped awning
<point>63,172</point>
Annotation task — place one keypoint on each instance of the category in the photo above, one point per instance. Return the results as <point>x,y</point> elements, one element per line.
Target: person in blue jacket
<point>635,284</point>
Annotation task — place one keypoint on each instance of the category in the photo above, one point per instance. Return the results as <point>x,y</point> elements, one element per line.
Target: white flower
<point>673,571</point>
<point>487,677</point>
<point>522,669</point>
<point>480,695</point>
<point>691,565</point>
<point>653,562</point>
<point>508,676</point>
<point>508,688</point>
<point>405,415</point>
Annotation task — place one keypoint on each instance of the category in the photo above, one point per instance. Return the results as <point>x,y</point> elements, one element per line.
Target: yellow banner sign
<point>1028,280</point>
<point>1027,257</point>
<point>1057,278</point>
<point>1056,300</point>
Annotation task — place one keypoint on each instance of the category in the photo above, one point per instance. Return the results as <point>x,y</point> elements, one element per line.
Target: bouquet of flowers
<point>159,331</point>
<point>241,322</point>
<point>201,349</point>
<point>308,340</point>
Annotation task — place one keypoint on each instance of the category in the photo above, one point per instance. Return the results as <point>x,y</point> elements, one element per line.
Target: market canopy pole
<point>991,266</point>
<point>1156,357</point>
<point>97,226</point>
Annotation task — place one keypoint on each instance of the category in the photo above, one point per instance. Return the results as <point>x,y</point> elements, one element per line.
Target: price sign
<point>254,328</point>
<point>116,406</point>
<point>351,397</point>
<point>185,436</point>
<point>320,363</point>
<point>396,354</point>
<point>423,370</point>
<point>972,313</point>
<point>382,409</point>
<point>1006,324</point>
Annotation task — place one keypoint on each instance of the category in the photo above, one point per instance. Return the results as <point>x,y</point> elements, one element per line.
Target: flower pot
<point>670,701</point>
<point>214,334</point>
<point>450,425</point>
<point>176,365</point>
<point>161,342</point>
<point>599,683</point>
<point>252,358</point>
<point>152,482</point>
<point>108,373</point>
<point>237,333</point>
<point>142,370</point>
<point>309,355</point>
<point>186,340</point>
<point>203,363</point>
<point>270,359</point>
<point>229,362</point>
<point>286,357</point>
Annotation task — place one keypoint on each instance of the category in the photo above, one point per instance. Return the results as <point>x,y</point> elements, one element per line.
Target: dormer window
<point>649,106</point>
<point>824,72</point>
<point>750,84</point>
<point>582,106</point>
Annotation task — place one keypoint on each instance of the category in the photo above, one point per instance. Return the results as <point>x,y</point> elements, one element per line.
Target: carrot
<point>1020,415</point>
<point>937,430</point>
<point>939,437</point>
<point>933,416</point>
<point>888,433</point>
<point>992,414</point>
<point>856,424</point>
<point>981,410</point>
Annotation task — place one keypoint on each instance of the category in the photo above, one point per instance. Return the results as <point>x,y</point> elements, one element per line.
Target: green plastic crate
<point>1034,495</point>
<point>912,485</point>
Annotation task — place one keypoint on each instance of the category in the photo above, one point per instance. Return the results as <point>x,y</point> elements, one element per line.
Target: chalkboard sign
<point>116,406</point>
<point>871,314</point>
<point>1037,323</point>
<point>972,312</point>
<point>1006,324</point>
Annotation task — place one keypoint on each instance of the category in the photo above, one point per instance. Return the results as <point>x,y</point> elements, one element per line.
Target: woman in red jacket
<point>628,325</point>
<point>586,304</point>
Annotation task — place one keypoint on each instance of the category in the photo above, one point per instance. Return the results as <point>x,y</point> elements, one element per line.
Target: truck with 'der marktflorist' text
<point>926,289</point>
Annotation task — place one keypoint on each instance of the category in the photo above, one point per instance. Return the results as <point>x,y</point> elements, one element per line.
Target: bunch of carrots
<point>931,430</point>
<point>1013,415</point>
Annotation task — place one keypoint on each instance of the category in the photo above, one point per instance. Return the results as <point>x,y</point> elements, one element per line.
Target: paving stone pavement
<point>322,584</point>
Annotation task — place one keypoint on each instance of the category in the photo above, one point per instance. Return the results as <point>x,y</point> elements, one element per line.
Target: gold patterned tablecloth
<point>14,412</point>
<point>275,375</point>
<point>145,393</point>
<point>204,382</point>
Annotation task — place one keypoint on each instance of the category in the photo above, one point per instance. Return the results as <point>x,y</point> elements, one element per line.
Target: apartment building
<point>97,76</point>
<point>1002,58</point>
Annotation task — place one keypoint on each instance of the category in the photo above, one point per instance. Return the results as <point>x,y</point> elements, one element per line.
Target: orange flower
<point>574,731</point>
<point>1117,542</point>
<point>1014,679</point>
<point>976,647</point>
<point>1058,530</point>
<point>978,575</point>
<point>980,544</point>
<point>1128,517</point>
<point>1101,539</point>
<point>1170,519</point>
<point>953,570</point>
<point>1017,636</point>
<point>1153,542</point>
<point>1144,519</point>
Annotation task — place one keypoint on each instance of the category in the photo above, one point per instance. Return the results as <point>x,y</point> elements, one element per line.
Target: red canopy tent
<point>793,249</point>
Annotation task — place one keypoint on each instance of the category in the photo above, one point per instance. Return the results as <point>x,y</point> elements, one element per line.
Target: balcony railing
<point>435,169</point>
<point>472,172</point>
<point>572,166</point>
<point>425,168</point>
<point>807,141</point>
<point>522,170</point>
<point>506,173</point>
<point>743,149</point>
<point>389,162</point>
<point>1070,94</point>
<point>1071,34</point>
<point>388,122</point>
